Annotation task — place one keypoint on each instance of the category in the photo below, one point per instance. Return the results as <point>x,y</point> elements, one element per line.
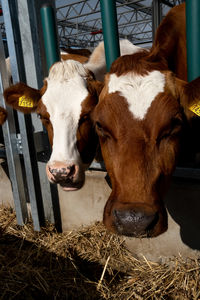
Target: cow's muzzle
<point>135,219</point>
<point>134,223</point>
<point>69,176</point>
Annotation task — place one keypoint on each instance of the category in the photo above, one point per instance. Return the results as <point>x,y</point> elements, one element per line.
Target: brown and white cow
<point>64,104</point>
<point>139,118</point>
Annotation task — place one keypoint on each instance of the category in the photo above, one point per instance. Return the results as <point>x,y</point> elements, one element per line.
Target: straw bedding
<point>88,263</point>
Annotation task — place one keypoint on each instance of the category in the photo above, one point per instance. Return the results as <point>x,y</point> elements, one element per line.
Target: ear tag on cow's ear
<point>25,101</point>
<point>195,108</point>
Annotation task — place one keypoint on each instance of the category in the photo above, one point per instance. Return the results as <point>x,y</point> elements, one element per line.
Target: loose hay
<point>86,264</point>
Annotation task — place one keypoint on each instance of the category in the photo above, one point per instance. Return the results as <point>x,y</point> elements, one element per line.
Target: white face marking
<point>139,91</point>
<point>66,89</point>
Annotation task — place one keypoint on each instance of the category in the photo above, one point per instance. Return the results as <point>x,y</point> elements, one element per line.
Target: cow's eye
<point>84,118</point>
<point>174,130</point>
<point>98,126</point>
<point>101,131</point>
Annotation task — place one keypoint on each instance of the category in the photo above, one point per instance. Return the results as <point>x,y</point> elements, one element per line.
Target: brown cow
<point>64,104</point>
<point>139,118</point>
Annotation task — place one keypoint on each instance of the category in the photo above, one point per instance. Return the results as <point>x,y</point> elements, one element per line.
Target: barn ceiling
<point>79,22</point>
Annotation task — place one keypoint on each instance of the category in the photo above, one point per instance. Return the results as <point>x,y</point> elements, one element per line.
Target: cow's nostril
<point>52,170</point>
<point>71,170</point>
<point>134,223</point>
<point>153,223</point>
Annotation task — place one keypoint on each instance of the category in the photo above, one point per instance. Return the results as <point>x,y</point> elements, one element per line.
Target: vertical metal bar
<point>110,31</point>
<point>156,16</point>
<point>25,125</point>
<point>193,38</point>
<point>33,70</point>
<point>36,70</point>
<point>10,134</point>
<point>50,34</point>
<point>52,54</point>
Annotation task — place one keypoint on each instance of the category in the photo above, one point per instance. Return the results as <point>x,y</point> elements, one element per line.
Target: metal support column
<point>156,15</point>
<point>193,38</point>
<point>110,31</point>
<point>50,35</point>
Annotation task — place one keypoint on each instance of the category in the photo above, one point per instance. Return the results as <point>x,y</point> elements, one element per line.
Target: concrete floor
<point>6,197</point>
<point>86,206</point>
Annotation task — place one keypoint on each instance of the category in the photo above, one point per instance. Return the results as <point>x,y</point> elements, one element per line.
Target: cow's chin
<point>71,186</point>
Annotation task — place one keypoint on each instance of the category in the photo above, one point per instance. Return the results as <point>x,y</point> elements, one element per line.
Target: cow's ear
<point>22,97</point>
<point>188,93</point>
<point>95,87</point>
<point>191,97</point>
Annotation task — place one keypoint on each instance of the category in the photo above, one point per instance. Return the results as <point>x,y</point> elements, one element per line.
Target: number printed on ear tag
<point>25,102</point>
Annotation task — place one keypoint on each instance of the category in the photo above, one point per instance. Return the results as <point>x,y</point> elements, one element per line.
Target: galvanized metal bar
<point>50,34</point>
<point>34,43</point>
<point>10,134</point>
<point>193,38</point>
<point>110,31</point>
<point>34,75</point>
<point>25,125</point>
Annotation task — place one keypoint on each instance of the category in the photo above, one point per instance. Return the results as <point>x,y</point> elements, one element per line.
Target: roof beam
<point>136,6</point>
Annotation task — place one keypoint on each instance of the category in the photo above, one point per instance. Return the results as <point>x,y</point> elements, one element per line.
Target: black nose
<point>134,223</point>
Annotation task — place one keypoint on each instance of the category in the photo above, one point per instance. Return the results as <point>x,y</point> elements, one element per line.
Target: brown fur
<point>80,58</point>
<point>140,155</point>
<point>3,115</point>
<point>81,52</point>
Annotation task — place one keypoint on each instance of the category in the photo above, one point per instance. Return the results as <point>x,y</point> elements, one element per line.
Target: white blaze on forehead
<point>139,91</point>
<point>66,90</point>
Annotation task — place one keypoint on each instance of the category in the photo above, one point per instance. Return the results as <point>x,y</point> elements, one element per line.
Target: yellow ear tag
<point>25,102</point>
<point>195,108</point>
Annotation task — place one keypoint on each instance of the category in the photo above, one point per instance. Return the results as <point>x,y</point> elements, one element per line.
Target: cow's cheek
<point>169,155</point>
<point>87,142</point>
<point>110,161</point>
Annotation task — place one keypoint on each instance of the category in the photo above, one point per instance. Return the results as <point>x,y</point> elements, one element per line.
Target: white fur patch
<point>97,60</point>
<point>139,91</point>
<point>66,89</point>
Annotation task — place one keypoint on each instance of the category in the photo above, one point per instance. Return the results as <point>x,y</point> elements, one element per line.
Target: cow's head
<point>3,115</point>
<point>139,120</point>
<point>64,104</point>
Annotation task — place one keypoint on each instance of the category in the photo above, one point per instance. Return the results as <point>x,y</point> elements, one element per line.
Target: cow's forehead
<point>66,89</point>
<point>138,90</point>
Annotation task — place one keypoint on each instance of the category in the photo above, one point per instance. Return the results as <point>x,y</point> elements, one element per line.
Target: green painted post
<point>193,38</point>
<point>110,31</point>
<point>50,35</point>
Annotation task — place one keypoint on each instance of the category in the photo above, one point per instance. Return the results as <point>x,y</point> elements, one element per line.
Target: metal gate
<point>26,142</point>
